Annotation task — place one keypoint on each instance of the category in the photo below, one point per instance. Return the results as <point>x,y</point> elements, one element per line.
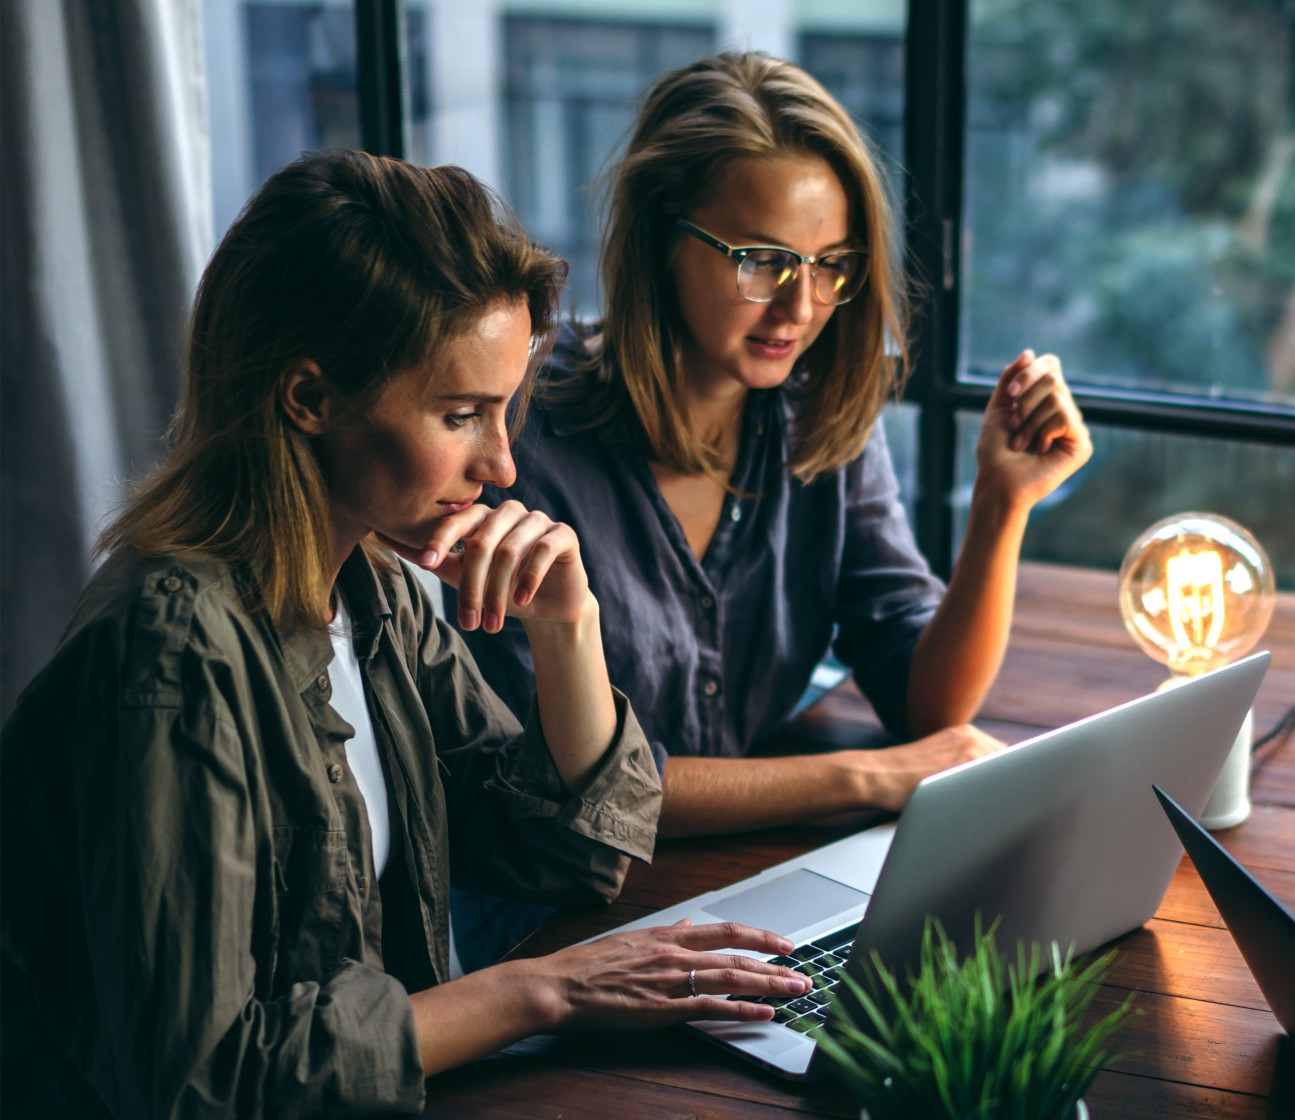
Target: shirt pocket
<point>311,875</point>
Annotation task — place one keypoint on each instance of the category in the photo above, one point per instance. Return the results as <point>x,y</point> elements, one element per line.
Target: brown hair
<point>362,264</point>
<point>695,122</point>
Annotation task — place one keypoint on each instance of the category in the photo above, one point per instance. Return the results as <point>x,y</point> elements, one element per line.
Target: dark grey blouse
<point>714,654</point>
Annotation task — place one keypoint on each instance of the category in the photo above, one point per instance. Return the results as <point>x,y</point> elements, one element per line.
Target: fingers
<point>504,562</point>
<point>1042,411</point>
<point>730,935</point>
<point>744,976</point>
<point>495,558</point>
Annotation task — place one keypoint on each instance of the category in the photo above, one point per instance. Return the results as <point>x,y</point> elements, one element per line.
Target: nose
<point>795,299</point>
<point>493,462</point>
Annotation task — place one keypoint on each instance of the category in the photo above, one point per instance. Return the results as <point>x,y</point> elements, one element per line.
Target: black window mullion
<point>379,58</point>
<point>934,128</point>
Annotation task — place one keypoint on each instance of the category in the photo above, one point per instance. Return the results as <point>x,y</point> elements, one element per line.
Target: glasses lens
<point>763,271</point>
<point>839,276</point>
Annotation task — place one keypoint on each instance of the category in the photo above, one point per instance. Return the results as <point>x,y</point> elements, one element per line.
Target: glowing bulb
<point>1197,591</point>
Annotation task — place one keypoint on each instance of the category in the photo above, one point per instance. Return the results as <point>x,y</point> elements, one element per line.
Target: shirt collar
<point>308,652</point>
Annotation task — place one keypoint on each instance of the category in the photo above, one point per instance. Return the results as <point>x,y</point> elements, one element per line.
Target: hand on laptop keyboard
<point>665,975</point>
<point>823,961</point>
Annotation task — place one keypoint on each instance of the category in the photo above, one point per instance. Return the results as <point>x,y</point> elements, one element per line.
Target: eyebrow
<point>471,398</point>
<point>764,241</point>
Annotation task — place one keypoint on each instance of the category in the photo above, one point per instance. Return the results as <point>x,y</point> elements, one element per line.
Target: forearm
<point>573,694</point>
<point>959,653</point>
<point>707,796</point>
<point>478,1014</point>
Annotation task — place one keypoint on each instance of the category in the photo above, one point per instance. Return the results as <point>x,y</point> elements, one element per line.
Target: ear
<point>306,396</point>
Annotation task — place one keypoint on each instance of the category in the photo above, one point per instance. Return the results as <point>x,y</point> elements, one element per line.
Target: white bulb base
<point>1229,804</point>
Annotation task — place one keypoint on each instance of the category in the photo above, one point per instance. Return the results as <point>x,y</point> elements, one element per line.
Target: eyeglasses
<point>764,269</point>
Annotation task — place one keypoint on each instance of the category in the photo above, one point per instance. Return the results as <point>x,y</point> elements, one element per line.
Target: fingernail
<point>491,622</point>
<point>1018,442</point>
<point>1015,388</point>
<point>524,595</point>
<point>432,558</point>
<point>785,946</point>
<point>468,620</point>
<point>798,984</point>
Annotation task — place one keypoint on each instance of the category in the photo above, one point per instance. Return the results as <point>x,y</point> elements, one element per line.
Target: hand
<point>1033,437</point>
<point>639,978</point>
<point>895,771</point>
<point>513,561</point>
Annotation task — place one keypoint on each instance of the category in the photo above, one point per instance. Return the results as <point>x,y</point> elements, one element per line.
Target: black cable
<point>1282,727</point>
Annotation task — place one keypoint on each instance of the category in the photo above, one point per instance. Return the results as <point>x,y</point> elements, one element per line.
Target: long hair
<point>363,265</point>
<point>694,123</point>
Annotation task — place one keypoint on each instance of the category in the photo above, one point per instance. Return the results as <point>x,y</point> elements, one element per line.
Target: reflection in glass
<point>1136,478</point>
<point>1130,192</point>
<point>281,80</point>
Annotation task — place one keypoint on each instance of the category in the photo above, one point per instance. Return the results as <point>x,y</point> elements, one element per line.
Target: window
<point>1114,183</point>
<point>1129,204</point>
<point>570,91</point>
<point>281,80</point>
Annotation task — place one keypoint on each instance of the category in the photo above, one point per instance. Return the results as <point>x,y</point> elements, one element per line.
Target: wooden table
<point>1205,1043</point>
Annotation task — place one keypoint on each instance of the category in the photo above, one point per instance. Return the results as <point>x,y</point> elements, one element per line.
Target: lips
<point>456,507</point>
<point>773,348</point>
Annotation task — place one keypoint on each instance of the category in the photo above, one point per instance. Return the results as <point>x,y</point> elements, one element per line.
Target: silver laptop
<point>1061,837</point>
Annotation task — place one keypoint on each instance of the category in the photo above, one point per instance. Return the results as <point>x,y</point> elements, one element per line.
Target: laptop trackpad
<point>793,901</point>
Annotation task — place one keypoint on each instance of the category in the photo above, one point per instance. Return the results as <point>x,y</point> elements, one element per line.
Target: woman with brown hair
<point>714,442</point>
<point>235,799</point>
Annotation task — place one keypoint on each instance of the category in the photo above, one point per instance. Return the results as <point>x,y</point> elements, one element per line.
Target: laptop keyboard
<point>823,961</point>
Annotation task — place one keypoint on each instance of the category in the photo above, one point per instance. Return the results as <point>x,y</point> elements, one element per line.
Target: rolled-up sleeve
<point>514,827</point>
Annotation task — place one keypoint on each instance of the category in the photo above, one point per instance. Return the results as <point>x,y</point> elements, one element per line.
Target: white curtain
<point>105,224</point>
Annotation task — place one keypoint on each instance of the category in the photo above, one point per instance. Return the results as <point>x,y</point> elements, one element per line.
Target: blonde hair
<point>363,265</point>
<point>694,124</point>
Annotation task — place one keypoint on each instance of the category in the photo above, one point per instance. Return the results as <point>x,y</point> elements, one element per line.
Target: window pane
<point>900,422</point>
<point>1131,192</point>
<point>535,96</point>
<point>570,91</point>
<point>1135,479</point>
<point>281,80</point>
<point>864,70</point>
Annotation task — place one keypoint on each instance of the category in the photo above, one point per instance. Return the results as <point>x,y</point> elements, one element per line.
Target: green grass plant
<point>972,1038</point>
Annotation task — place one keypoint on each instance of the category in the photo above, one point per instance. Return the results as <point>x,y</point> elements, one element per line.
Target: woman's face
<point>732,344</point>
<point>431,439</point>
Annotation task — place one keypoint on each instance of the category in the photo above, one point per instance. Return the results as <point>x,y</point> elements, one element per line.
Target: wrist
<point>997,508</point>
<point>574,630</point>
<point>540,1006</point>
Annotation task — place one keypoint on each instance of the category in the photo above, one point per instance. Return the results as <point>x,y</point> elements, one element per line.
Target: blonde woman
<point>235,799</point>
<point>715,443</point>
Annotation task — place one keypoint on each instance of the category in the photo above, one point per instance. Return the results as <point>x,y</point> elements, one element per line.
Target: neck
<point>715,415</point>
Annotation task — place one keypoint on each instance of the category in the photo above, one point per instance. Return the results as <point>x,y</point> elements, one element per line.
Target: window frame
<point>935,131</point>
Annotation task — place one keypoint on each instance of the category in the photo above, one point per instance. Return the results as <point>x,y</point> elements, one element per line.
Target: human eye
<point>840,264</point>
<point>458,420</point>
<point>771,261</point>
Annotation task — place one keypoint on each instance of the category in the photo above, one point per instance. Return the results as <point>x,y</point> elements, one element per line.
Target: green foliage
<point>972,1039</point>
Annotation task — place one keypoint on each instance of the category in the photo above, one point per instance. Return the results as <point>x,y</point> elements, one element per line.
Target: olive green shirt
<point>190,925</point>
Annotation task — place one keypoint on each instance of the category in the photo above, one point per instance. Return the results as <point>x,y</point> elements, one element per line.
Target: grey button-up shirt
<point>190,923</point>
<point>715,653</point>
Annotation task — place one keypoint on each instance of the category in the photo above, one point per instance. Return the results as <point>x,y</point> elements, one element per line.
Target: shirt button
<point>710,688</point>
<point>335,773</point>
<point>321,682</point>
<point>171,584</point>
<point>735,514</point>
<point>363,884</point>
<point>707,602</point>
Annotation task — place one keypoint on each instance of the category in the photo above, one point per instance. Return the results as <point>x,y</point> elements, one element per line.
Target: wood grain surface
<point>1202,1043</point>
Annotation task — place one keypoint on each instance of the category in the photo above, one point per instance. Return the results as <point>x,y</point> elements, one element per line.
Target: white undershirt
<point>362,750</point>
